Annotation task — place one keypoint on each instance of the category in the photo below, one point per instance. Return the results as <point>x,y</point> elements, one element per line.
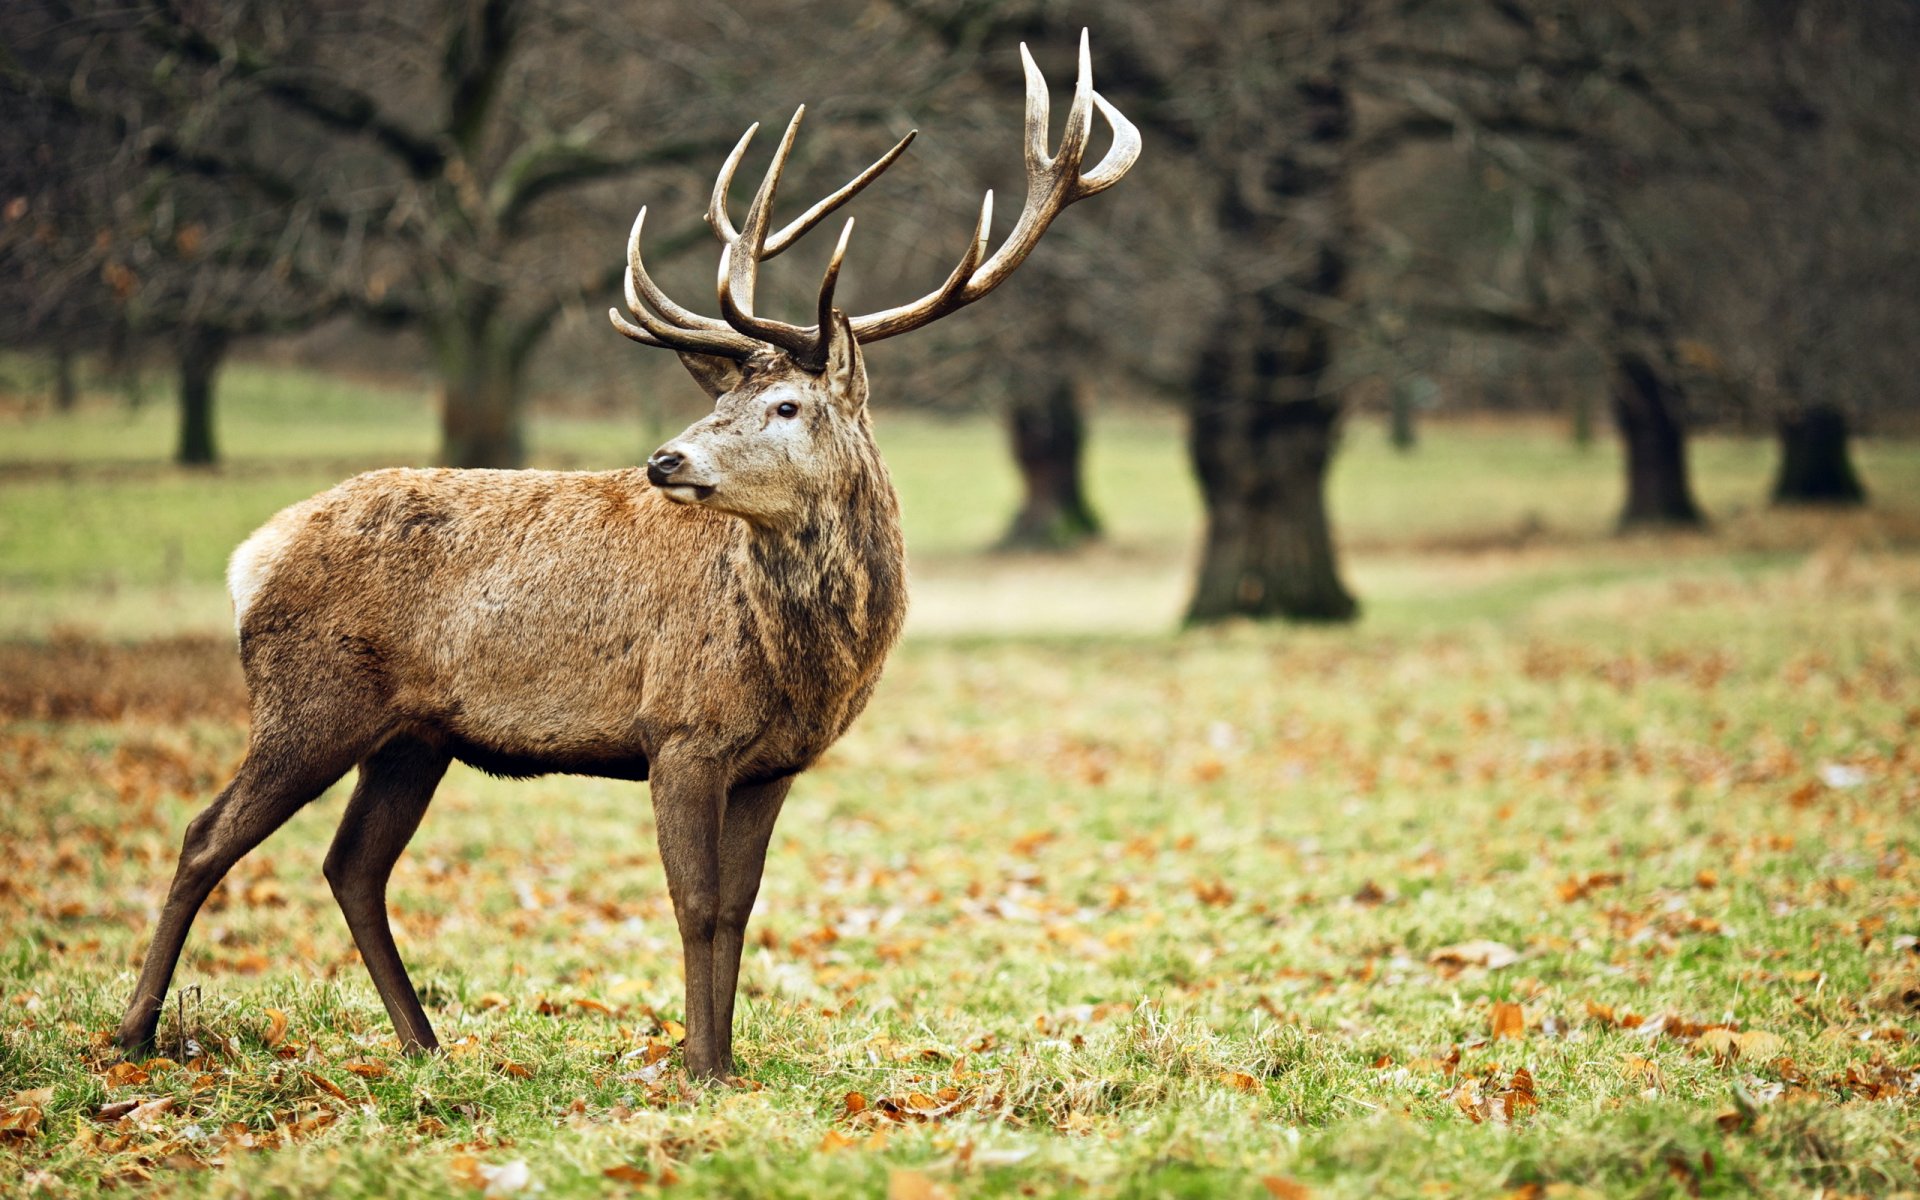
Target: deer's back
<point>538,620</point>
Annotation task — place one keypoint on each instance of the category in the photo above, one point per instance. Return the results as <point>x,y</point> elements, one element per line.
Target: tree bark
<point>482,393</point>
<point>201,351</point>
<point>1816,462</point>
<point>1646,410</point>
<point>66,390</point>
<point>1261,438</point>
<point>1048,434</point>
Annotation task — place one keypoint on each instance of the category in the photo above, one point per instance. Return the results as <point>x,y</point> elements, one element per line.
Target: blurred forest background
<point>1649,222</point>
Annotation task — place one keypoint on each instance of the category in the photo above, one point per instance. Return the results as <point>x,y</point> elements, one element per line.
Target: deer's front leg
<point>751,812</point>
<point>689,795</point>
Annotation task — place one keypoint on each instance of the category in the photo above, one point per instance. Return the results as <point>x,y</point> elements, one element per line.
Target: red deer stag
<point>713,622</point>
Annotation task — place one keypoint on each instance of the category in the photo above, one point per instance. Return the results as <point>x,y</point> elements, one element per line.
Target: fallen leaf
<point>1507,1020</point>
<point>125,1074</point>
<point>144,1115</point>
<point>835,1140</point>
<point>1282,1188</point>
<point>326,1085</point>
<point>903,1184</point>
<point>1477,953</point>
<point>628,1174</point>
<point>517,1070</point>
<point>1240,1081</point>
<point>276,1028</point>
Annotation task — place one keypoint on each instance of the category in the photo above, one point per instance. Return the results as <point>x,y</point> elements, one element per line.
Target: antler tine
<point>817,357</point>
<point>1053,182</point>
<point>717,218</point>
<point>796,228</point>
<point>639,284</point>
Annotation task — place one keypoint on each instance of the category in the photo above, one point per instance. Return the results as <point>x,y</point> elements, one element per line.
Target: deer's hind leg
<point>396,785</point>
<point>286,768</point>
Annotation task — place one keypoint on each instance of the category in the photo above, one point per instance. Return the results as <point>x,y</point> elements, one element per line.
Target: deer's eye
<point>787,408</point>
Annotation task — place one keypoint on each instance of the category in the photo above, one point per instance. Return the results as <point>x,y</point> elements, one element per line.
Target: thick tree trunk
<point>1261,438</point>
<point>1400,429</point>
<point>1816,465</point>
<point>201,351</point>
<point>66,390</point>
<point>1646,409</point>
<point>1048,434</point>
<point>482,395</point>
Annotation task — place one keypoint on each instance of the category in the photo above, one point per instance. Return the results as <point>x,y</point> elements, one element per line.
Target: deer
<point>710,623</point>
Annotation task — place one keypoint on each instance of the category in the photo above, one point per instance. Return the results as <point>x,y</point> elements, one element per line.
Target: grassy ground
<point>1580,867</point>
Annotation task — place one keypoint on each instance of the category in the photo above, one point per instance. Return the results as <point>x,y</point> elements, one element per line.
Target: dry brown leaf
<point>517,1070</point>
<point>1282,1188</point>
<point>125,1074</point>
<point>21,1123</point>
<point>853,1103</point>
<point>276,1028</point>
<point>904,1184</point>
<point>365,1068</point>
<point>326,1085</point>
<point>835,1140</point>
<point>1642,1071</point>
<point>1507,1020</point>
<point>674,1030</point>
<point>146,1114</point>
<point>1240,1081</point>
<point>1477,953</point>
<point>489,1000</point>
<point>628,1174</point>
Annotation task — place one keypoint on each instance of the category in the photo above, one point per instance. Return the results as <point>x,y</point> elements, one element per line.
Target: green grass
<point>1137,913</point>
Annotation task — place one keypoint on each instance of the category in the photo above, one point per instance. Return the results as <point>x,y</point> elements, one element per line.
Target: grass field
<point>1580,866</point>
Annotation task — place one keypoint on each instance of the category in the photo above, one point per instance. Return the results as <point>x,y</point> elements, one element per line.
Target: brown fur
<point>529,622</point>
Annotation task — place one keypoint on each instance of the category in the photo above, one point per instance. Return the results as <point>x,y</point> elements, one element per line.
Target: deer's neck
<point>825,595</point>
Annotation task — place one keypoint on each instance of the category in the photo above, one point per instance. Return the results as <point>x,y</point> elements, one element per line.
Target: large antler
<point>1053,182</point>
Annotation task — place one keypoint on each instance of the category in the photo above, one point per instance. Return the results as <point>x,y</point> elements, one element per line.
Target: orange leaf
<point>326,1085</point>
<point>854,1103</point>
<point>627,1173</point>
<point>365,1068</point>
<point>517,1070</point>
<point>675,1030</point>
<point>1240,1081</point>
<point>276,1028</point>
<point>125,1074</point>
<point>835,1140</point>
<point>1507,1021</point>
<point>1282,1188</point>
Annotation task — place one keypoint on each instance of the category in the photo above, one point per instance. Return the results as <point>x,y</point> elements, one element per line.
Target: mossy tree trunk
<point>1048,434</point>
<point>201,350</point>
<point>1816,462</point>
<point>1646,408</point>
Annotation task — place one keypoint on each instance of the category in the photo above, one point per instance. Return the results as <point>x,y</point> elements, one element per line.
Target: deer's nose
<point>661,466</point>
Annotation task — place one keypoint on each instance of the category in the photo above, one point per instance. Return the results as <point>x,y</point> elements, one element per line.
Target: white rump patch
<point>253,562</point>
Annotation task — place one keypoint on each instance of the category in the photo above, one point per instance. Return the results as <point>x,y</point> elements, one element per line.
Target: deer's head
<point>790,400</point>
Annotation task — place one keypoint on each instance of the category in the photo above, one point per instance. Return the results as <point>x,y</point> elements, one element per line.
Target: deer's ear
<point>846,373</point>
<point>716,376</point>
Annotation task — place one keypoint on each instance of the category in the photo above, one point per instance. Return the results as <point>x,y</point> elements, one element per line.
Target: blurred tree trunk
<point>1261,438</point>
<point>1401,431</point>
<point>1816,465</point>
<point>1262,427</point>
<point>201,351</point>
<point>482,388</point>
<point>1646,410</point>
<point>1048,433</point>
<point>66,390</point>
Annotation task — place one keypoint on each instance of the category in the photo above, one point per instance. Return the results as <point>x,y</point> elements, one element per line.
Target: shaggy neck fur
<point>825,593</point>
